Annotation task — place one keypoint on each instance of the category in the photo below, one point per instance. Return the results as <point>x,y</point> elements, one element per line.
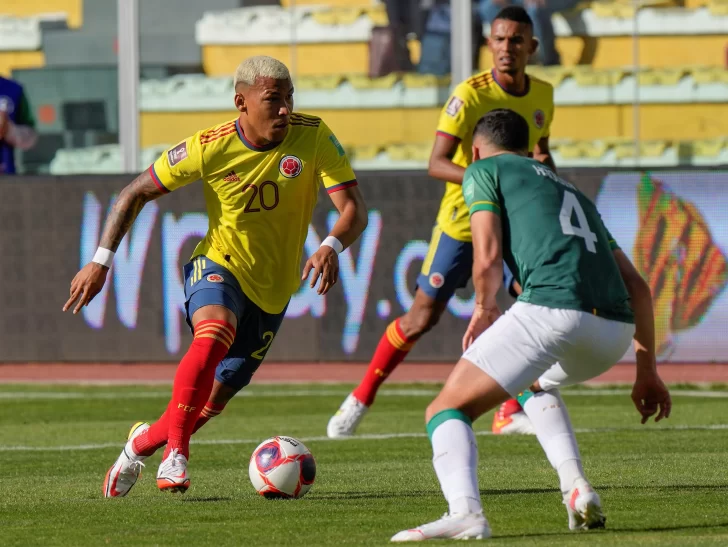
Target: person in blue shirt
<point>17,124</point>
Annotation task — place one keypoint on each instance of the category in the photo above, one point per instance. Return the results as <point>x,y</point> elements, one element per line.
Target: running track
<point>156,373</point>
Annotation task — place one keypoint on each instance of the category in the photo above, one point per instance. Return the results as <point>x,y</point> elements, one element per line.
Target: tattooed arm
<point>127,206</point>
<point>90,280</point>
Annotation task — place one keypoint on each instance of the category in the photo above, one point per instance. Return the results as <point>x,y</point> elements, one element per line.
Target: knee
<point>433,408</point>
<point>418,322</point>
<point>441,403</point>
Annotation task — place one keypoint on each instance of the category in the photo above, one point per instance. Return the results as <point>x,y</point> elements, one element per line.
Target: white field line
<point>49,395</point>
<point>370,437</point>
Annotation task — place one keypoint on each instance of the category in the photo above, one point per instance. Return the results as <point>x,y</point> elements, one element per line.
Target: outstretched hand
<point>649,395</point>
<point>325,264</point>
<point>87,284</point>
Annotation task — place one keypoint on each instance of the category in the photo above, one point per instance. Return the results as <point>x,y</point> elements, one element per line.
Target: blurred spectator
<point>540,12</point>
<point>405,17</point>
<point>435,56</point>
<point>17,125</point>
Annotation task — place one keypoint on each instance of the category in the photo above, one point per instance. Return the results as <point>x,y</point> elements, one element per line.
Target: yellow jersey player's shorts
<point>448,266</point>
<point>209,284</point>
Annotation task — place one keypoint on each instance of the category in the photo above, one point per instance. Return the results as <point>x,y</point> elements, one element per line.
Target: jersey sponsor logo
<point>337,144</point>
<point>290,167</point>
<point>6,104</point>
<point>232,176</point>
<point>215,278</point>
<point>539,118</point>
<point>177,154</point>
<point>454,106</point>
<point>437,280</point>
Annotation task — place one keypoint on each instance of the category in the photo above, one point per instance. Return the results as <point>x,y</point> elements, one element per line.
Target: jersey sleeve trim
<point>448,136</point>
<point>485,206</point>
<point>156,179</point>
<point>342,186</point>
<point>614,245</point>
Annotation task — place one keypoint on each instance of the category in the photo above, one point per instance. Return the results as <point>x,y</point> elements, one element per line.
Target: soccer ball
<point>282,467</point>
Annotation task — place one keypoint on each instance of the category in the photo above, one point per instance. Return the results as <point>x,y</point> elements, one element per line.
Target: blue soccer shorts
<point>210,284</point>
<point>448,266</point>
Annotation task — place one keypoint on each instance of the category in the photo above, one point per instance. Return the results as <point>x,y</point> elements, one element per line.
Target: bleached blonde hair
<point>260,66</point>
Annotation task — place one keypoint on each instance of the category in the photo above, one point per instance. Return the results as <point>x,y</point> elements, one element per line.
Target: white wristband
<point>104,257</point>
<point>334,243</point>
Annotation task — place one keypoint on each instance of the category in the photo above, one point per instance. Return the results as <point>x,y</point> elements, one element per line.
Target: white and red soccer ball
<point>282,467</point>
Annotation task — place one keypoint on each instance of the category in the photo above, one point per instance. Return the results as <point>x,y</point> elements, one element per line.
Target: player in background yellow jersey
<point>449,261</point>
<point>260,174</point>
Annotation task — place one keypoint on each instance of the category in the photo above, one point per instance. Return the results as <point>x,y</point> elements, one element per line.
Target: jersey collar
<point>528,85</point>
<point>249,145</point>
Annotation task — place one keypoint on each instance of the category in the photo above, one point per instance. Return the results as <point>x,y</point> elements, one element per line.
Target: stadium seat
<point>567,153</point>
<point>709,148</point>
<point>319,82</point>
<point>362,82</point>
<point>71,10</point>
<point>329,3</point>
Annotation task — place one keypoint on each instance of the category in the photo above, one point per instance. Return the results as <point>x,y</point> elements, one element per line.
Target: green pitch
<point>661,484</point>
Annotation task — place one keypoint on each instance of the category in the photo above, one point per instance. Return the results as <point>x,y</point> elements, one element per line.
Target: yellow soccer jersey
<point>259,199</point>
<point>470,101</point>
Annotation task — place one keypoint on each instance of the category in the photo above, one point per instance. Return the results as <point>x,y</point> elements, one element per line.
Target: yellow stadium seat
<point>348,15</point>
<point>613,9</point>
<point>718,7</point>
<point>378,15</point>
<point>586,76</point>
<point>594,149</point>
<point>663,76</point>
<point>24,8</point>
<point>551,74</point>
<point>571,150</point>
<point>318,82</point>
<point>15,60</point>
<point>625,9</point>
<point>648,149</point>
<point>365,152</point>
<point>397,152</point>
<point>331,3</point>
<point>360,81</point>
<point>709,75</point>
<point>419,151</point>
<point>708,148</point>
<point>415,80</point>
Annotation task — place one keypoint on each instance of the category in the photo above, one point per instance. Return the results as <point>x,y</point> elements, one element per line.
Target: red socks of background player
<point>191,390</point>
<point>391,351</point>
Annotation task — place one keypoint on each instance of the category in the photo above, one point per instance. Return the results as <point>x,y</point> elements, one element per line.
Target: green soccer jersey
<point>554,240</point>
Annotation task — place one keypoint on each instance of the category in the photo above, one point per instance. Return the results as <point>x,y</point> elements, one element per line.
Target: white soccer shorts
<point>557,347</point>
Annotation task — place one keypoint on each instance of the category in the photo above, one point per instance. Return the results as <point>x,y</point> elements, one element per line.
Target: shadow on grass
<point>503,491</point>
<point>615,531</point>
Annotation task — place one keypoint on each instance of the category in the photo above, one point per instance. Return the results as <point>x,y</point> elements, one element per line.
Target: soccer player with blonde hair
<point>260,174</point>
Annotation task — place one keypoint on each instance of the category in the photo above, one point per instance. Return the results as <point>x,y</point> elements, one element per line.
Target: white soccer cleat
<point>584,508</point>
<point>458,526</point>
<point>127,468</point>
<point>347,418</point>
<point>172,475</point>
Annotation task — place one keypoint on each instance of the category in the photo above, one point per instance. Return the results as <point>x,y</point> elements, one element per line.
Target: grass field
<point>661,484</point>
